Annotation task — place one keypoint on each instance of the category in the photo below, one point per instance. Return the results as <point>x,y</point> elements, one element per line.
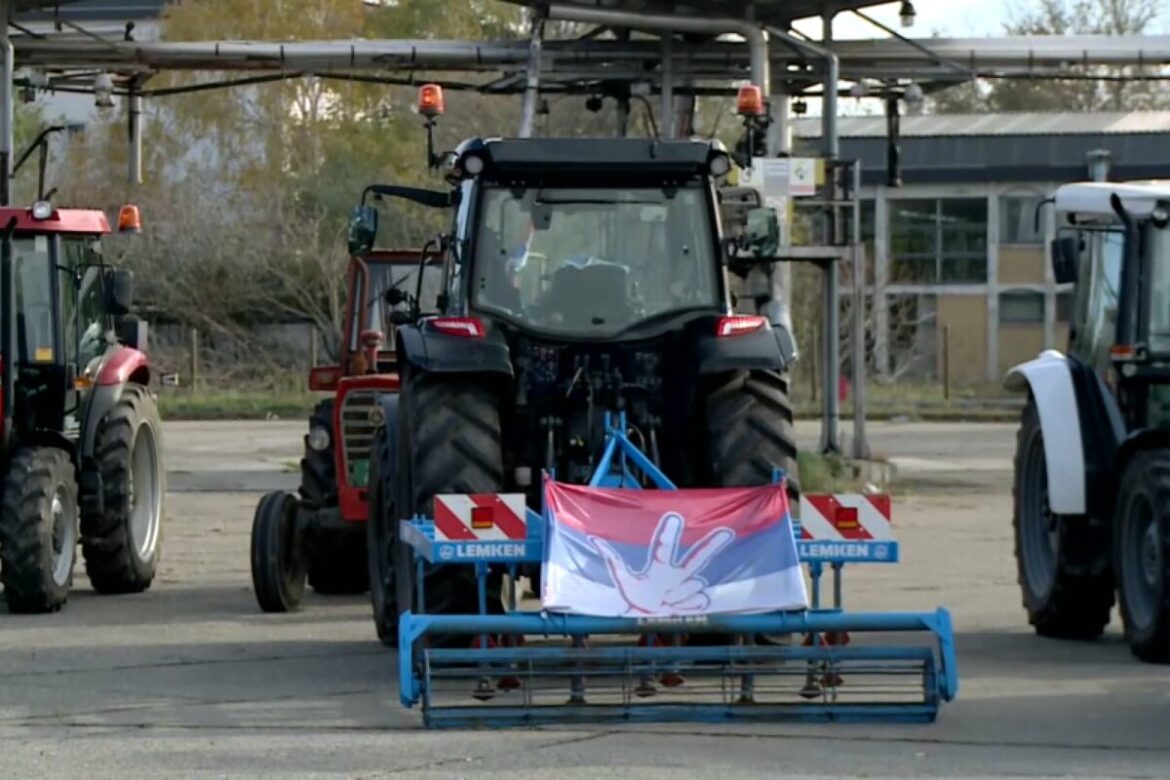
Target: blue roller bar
<point>413,627</point>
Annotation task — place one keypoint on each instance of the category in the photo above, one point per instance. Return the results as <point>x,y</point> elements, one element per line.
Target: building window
<point>939,241</point>
<point>1021,306</point>
<point>1017,220</point>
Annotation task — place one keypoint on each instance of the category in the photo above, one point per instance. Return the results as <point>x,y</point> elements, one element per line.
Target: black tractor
<point>579,276</point>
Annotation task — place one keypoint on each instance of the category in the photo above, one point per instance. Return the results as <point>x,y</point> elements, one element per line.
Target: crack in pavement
<point>442,762</point>
<point>186,662</point>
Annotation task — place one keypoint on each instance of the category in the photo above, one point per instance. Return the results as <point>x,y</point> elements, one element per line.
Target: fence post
<point>194,359</point>
<point>946,362</point>
<point>313,345</point>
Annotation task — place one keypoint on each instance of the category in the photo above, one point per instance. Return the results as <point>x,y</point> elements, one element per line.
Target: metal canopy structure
<point>675,49</point>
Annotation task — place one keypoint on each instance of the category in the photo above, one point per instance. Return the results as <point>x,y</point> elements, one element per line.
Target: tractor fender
<point>762,350</point>
<point>1081,425</point>
<point>124,365</point>
<point>445,354</point>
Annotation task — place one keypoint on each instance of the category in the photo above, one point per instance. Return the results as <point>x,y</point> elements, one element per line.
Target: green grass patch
<point>236,405</point>
<point>821,473</point>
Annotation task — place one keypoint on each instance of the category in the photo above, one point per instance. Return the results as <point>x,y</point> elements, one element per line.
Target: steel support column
<point>7,119</point>
<point>830,411</point>
<point>666,112</point>
<point>134,106</point>
<point>532,83</point>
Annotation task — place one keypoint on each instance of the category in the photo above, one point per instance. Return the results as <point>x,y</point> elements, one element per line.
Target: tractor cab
<point>64,314</point>
<point>1114,245</point>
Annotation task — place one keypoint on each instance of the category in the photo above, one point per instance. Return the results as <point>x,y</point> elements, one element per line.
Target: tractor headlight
<point>318,438</point>
<point>377,416</point>
<point>720,164</point>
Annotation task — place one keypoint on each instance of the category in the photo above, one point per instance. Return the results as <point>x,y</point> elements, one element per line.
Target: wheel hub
<point>145,493</point>
<point>1151,555</point>
<point>1040,527</point>
<point>64,536</point>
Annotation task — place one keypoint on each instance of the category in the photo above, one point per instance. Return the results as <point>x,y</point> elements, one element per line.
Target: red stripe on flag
<point>448,524</point>
<point>505,519</point>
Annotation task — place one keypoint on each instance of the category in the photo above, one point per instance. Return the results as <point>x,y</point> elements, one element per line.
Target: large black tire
<point>1062,561</point>
<point>121,543</point>
<point>278,559</point>
<point>750,431</point>
<point>38,530</point>
<point>319,467</point>
<point>1141,548</point>
<point>449,441</point>
<point>382,537</point>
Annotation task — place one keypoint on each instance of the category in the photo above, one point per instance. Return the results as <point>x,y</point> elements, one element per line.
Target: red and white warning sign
<point>483,517</point>
<point>845,517</point>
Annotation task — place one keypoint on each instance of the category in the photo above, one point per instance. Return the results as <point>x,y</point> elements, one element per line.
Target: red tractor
<point>82,438</point>
<point>320,534</point>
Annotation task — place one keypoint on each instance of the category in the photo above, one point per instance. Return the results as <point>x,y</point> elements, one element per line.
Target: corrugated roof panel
<point>935,125</point>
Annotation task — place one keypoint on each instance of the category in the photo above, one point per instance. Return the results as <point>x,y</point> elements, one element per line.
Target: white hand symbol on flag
<point>665,581</point>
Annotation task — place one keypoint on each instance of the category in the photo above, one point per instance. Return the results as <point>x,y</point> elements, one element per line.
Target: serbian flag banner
<point>669,553</point>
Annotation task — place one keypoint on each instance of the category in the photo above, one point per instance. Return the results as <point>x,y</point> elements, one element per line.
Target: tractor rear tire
<point>1062,561</point>
<point>750,431</point>
<point>337,561</point>
<point>1141,545</point>
<point>319,467</point>
<point>278,558</point>
<point>121,543</point>
<point>382,537</point>
<point>38,530</point>
<point>449,441</point>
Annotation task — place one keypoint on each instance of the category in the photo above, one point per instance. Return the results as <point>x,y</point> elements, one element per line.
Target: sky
<point>949,18</point>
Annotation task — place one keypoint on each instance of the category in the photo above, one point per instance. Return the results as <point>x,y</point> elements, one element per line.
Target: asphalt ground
<point>191,679</point>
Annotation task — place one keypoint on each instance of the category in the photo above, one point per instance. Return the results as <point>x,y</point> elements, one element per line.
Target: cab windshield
<point>35,313</point>
<point>594,261</point>
<point>399,274</point>
<point>1158,248</point>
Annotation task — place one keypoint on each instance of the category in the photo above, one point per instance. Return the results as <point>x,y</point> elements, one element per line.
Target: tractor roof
<point>1140,198</point>
<point>73,221</point>
<point>590,155</point>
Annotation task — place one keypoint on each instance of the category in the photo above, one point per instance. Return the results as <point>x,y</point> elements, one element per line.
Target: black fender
<point>1102,437</point>
<point>435,352</point>
<point>1136,442</point>
<point>761,350</point>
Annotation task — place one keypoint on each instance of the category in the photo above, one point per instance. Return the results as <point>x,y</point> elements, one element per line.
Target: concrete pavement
<point>191,679</point>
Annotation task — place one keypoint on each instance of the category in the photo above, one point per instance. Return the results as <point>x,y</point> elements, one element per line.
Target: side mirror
<point>395,296</point>
<point>763,231</point>
<point>133,333</point>
<point>1064,252</point>
<point>363,228</point>
<point>119,291</point>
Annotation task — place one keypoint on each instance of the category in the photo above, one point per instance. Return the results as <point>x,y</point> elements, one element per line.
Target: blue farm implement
<point>534,667</point>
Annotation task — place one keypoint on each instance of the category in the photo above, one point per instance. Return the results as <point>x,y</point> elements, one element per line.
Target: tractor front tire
<point>1141,545</point>
<point>121,542</point>
<point>1062,561</point>
<point>750,431</point>
<point>38,530</point>
<point>278,558</point>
